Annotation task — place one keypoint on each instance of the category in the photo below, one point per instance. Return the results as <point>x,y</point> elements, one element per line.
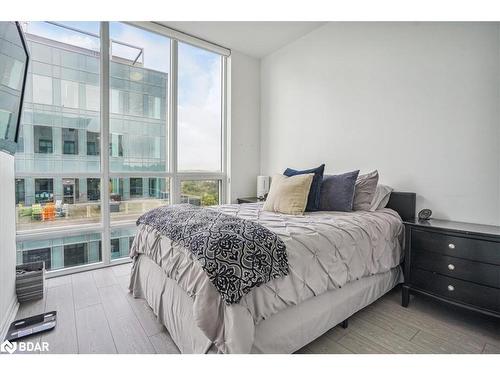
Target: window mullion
<point>104,64</point>
<point>225,134</point>
<point>175,192</point>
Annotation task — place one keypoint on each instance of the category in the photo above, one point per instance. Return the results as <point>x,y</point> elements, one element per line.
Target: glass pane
<point>121,240</point>
<point>58,165</point>
<point>12,68</point>
<point>62,100</point>
<point>199,109</point>
<point>55,202</point>
<point>200,193</point>
<point>132,196</point>
<point>61,252</point>
<point>43,92</point>
<point>69,94</point>
<point>139,68</point>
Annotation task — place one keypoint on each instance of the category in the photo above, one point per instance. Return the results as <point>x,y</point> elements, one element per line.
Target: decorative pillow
<point>314,193</point>
<point>288,195</point>
<point>364,190</point>
<point>381,197</point>
<point>337,192</point>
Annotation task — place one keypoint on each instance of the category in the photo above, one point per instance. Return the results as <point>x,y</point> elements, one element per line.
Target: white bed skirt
<point>285,332</point>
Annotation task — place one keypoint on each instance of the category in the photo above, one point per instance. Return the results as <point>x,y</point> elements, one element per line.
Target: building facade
<point>58,156</point>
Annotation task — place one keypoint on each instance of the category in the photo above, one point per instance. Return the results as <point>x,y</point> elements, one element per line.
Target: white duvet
<point>325,251</point>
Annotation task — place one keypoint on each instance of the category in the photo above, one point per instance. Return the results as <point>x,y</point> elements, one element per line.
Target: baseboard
<point>9,318</point>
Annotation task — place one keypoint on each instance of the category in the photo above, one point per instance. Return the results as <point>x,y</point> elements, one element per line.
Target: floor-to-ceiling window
<point>87,168</point>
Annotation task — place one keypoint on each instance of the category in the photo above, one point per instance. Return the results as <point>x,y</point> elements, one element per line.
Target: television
<point>14,58</point>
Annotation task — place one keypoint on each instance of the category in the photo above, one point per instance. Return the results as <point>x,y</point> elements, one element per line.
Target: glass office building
<point>74,154</point>
<point>61,135</point>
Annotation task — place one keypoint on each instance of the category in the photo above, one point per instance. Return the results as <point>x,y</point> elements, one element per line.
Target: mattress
<point>284,333</point>
<point>326,251</point>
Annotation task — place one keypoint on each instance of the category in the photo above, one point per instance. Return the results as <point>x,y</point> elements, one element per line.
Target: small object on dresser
<point>30,281</point>
<point>453,262</point>
<point>263,183</point>
<point>424,214</point>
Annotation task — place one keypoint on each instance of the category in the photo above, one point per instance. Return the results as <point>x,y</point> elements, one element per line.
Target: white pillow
<point>381,197</point>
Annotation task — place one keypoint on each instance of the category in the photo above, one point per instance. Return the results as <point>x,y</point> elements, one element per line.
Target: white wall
<point>417,101</point>
<point>244,107</point>
<point>8,300</point>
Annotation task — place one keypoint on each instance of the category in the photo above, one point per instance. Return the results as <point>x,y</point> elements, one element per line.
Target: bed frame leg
<point>345,324</point>
<point>405,296</point>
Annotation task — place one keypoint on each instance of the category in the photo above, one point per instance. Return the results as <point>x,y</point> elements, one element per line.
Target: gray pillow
<point>364,191</point>
<point>381,197</point>
<point>337,192</point>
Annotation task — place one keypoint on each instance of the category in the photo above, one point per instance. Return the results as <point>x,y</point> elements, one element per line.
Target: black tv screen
<point>14,59</point>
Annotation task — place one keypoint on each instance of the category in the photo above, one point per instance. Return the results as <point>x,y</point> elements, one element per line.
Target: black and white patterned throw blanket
<point>236,254</point>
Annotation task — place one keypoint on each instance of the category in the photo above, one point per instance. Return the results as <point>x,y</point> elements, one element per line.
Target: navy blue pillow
<point>337,192</point>
<point>313,197</point>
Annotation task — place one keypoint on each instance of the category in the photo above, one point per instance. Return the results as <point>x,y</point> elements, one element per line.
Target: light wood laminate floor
<point>96,314</point>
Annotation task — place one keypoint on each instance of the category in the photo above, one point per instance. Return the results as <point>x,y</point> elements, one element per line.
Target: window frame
<point>106,226</point>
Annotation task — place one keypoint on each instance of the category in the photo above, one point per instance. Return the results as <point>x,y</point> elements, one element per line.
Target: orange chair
<point>49,212</point>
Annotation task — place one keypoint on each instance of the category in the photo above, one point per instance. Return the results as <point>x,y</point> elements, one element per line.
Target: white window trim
<point>106,226</point>
<point>181,37</point>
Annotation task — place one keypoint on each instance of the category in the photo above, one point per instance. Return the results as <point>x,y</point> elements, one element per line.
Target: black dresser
<point>454,262</point>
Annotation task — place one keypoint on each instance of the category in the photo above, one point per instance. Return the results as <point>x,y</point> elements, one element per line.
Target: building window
<point>20,191</point>
<point>71,190</point>
<point>154,107</point>
<point>42,139</point>
<point>118,98</point>
<point>135,105</point>
<point>62,117</point>
<point>92,97</point>
<point>44,190</point>
<point>70,141</point>
<point>153,188</point>
<point>69,94</point>
<point>38,255</point>
<point>93,143</point>
<point>82,253</point>
<point>93,189</point>
<point>42,89</point>
<point>115,248</point>
<point>116,145</point>
<point>135,187</point>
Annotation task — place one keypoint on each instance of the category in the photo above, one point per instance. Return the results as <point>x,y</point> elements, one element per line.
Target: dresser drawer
<point>455,246</point>
<point>457,290</point>
<point>481,273</point>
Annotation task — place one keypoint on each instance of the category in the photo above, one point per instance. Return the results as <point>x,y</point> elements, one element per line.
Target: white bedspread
<point>325,251</point>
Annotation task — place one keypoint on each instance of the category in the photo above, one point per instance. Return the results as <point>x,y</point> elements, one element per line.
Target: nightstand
<point>453,262</point>
<point>250,200</point>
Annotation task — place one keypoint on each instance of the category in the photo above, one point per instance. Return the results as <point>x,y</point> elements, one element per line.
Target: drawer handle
<point>451,246</point>
<point>451,267</point>
<point>451,288</point>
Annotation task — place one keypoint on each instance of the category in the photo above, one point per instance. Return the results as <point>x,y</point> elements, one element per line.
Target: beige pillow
<point>288,195</point>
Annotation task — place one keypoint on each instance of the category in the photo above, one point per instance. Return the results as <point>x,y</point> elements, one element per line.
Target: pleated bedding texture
<point>326,250</point>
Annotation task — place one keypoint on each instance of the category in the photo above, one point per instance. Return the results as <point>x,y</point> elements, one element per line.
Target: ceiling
<point>256,39</point>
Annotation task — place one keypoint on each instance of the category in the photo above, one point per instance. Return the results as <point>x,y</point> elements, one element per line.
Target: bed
<point>338,263</point>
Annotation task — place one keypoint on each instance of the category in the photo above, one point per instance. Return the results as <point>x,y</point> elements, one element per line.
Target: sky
<point>199,83</point>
